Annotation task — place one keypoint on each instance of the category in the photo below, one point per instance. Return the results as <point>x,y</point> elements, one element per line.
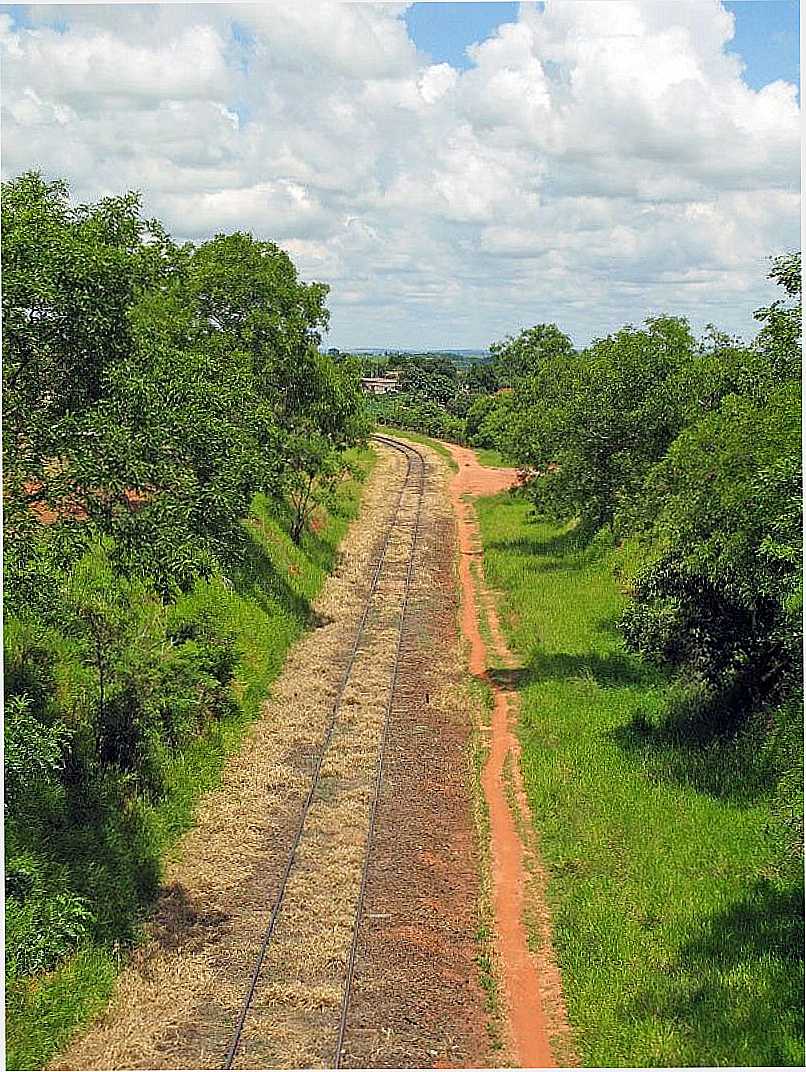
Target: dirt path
<point>416,996</point>
<point>533,993</point>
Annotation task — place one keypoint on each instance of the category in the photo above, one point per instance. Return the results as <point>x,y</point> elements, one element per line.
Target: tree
<point>592,424</point>
<point>522,355</point>
<point>714,559</point>
<point>780,336</point>
<point>714,549</point>
<point>316,433</point>
<point>482,378</point>
<point>428,380</point>
<point>70,278</point>
<point>151,390</point>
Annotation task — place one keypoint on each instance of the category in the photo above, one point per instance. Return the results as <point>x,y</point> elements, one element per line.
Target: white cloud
<point>599,161</point>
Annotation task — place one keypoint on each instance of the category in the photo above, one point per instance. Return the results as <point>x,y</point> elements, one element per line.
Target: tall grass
<point>678,931</point>
<point>113,860</point>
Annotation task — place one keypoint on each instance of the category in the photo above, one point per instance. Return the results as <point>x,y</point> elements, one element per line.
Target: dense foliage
<point>154,393</point>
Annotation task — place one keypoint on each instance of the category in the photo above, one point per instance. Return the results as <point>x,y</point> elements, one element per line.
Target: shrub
<point>33,751</point>
<point>41,932</point>
<point>717,585</point>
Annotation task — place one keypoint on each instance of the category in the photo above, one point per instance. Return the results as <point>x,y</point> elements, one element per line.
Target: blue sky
<point>766,34</point>
<point>767,39</point>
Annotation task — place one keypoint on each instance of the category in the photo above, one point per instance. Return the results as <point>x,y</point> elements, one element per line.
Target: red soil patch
<point>475,479</point>
<point>520,968</point>
<point>48,513</point>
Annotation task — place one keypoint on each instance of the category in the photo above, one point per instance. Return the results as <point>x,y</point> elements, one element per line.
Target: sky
<point>454,171</point>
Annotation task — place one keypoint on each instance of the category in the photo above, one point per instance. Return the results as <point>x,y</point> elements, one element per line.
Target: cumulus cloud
<point>597,162</point>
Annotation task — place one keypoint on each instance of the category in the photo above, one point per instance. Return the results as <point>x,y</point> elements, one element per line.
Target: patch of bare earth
<point>536,915</point>
<point>176,1002</point>
<point>416,998</point>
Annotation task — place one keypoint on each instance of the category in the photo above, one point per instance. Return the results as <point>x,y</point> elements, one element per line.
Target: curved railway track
<point>404,524</point>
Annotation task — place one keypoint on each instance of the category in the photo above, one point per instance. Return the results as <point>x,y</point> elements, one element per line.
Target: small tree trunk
<point>299,519</point>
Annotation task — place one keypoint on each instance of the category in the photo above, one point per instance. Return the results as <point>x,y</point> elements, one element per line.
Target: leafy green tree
<point>591,424</point>
<point>429,382</point>
<point>316,433</point>
<point>482,378</point>
<point>780,337</point>
<point>522,355</point>
<point>714,547</point>
<point>183,387</point>
<point>717,588</point>
<point>249,293</point>
<point>70,277</point>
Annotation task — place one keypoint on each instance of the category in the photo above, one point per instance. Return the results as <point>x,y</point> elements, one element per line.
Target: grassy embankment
<point>266,602</point>
<point>679,936</point>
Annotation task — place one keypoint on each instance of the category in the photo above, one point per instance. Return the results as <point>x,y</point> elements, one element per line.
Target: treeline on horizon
<point>170,431</point>
<point>684,453</point>
<point>375,362</point>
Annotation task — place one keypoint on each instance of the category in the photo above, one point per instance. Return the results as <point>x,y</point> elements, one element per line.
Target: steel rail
<point>350,970</point>
<point>246,1004</point>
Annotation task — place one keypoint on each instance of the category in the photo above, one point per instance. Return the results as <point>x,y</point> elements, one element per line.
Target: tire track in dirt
<point>533,991</point>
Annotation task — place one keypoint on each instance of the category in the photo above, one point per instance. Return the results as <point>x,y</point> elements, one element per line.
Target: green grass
<point>680,942</point>
<point>427,441</point>
<point>493,458</point>
<point>266,602</point>
<point>479,702</point>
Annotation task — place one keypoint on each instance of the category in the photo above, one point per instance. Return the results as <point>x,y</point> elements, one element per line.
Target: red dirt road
<point>520,969</point>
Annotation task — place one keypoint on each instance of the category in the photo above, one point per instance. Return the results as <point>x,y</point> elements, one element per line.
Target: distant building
<point>381,385</point>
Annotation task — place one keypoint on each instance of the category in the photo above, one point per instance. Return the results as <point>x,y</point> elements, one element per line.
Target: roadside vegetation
<point>651,583</point>
<point>677,922</point>
<point>180,462</point>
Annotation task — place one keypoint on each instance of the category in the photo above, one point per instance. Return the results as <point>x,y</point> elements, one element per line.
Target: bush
<point>98,699</point>
<point>33,751</point>
<point>716,576</point>
<point>42,932</point>
<point>418,415</point>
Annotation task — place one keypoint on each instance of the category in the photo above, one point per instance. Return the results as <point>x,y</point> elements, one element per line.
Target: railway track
<point>381,625</point>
